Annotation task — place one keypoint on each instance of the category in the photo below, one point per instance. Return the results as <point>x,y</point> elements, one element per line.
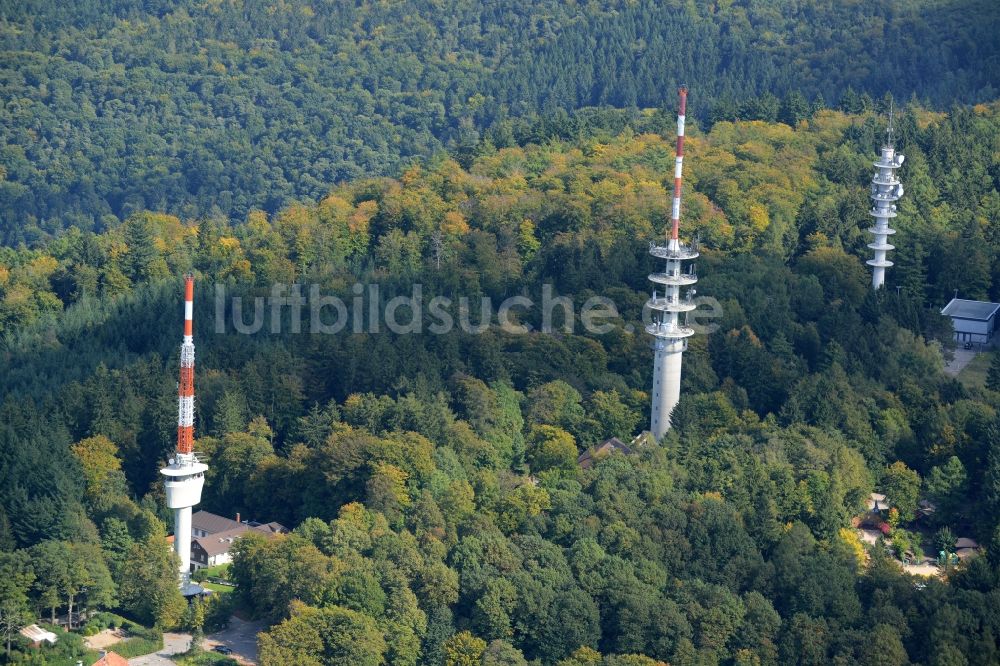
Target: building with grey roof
<point>204,523</point>
<point>974,321</point>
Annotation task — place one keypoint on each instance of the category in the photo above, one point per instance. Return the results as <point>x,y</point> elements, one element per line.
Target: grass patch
<point>215,587</point>
<point>137,647</point>
<point>974,374</point>
<point>141,641</point>
<point>205,658</point>
<point>218,571</point>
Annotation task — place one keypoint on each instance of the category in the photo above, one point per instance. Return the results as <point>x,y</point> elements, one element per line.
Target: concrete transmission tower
<point>886,191</point>
<point>669,334</point>
<point>185,475</point>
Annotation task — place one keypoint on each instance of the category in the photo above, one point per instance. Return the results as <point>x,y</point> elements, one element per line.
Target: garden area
<point>101,631</point>
<point>918,537</point>
<point>214,578</point>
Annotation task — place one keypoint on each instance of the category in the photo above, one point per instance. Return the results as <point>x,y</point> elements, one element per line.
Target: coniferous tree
<point>141,251</point>
<point>993,374</point>
<point>794,108</point>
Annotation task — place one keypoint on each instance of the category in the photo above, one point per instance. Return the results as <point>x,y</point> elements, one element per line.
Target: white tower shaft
<point>182,541</point>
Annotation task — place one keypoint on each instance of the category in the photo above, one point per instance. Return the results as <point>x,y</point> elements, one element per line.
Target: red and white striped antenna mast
<point>185,390</point>
<point>185,474</point>
<point>675,209</point>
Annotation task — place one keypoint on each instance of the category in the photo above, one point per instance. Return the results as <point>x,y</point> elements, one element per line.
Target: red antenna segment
<point>185,391</point>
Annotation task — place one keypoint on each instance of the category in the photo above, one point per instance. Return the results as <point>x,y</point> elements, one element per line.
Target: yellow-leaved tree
<point>98,456</point>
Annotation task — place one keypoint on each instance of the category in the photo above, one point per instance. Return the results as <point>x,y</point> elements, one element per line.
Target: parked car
<point>223,649</point>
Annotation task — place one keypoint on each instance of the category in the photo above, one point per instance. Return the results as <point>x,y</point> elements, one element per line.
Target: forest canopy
<point>440,515</point>
<point>450,495</point>
<point>196,108</point>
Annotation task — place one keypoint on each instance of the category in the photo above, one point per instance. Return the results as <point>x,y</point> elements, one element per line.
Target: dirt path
<point>924,569</point>
<point>103,639</point>
<point>240,636</point>
<point>962,358</point>
<point>869,536</point>
<point>172,644</point>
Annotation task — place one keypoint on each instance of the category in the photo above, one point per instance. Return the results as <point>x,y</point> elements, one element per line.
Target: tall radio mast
<point>669,335</point>
<point>185,475</point>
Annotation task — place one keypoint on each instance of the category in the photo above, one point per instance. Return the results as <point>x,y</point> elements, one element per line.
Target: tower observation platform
<point>669,333</point>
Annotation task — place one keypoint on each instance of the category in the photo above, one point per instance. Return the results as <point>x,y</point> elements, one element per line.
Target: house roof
<point>36,634</point>
<point>877,502</point>
<point>212,523</point>
<point>221,542</point>
<point>270,528</point>
<point>586,459</point>
<point>111,659</point>
<point>963,309</point>
<point>965,542</point>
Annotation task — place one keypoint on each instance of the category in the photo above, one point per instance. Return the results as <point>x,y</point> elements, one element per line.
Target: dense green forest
<point>440,515</point>
<point>198,108</point>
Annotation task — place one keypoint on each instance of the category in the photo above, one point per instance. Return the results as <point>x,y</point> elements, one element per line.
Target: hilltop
<point>200,108</point>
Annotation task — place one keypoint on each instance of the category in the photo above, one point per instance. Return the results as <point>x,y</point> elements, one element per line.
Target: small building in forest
<point>926,509</point>
<point>211,550</point>
<point>973,321</point>
<point>966,548</point>
<point>36,635</point>
<point>877,503</point>
<point>204,523</point>
<point>587,459</point>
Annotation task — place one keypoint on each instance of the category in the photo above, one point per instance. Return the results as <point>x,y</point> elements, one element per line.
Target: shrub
<point>108,620</point>
<point>137,647</point>
<point>218,609</point>
<point>903,541</point>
